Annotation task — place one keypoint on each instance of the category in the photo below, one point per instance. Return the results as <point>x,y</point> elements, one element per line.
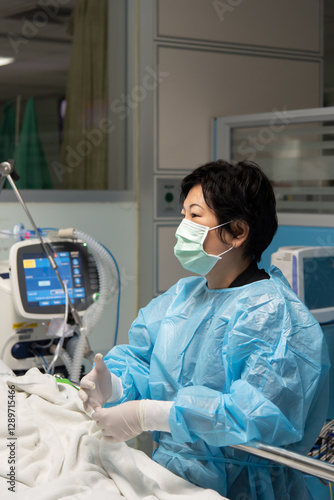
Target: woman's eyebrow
<point>191,206</point>
<point>195,205</point>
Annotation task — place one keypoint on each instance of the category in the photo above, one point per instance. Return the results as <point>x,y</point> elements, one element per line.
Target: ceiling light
<point>6,60</point>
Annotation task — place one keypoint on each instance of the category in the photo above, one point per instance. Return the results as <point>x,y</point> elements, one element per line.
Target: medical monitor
<point>310,272</point>
<point>37,292</point>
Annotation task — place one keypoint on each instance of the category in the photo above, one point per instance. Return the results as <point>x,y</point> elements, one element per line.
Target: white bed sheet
<point>57,453</point>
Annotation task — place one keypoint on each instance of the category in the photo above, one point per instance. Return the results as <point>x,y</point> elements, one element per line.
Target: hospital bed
<point>50,449</point>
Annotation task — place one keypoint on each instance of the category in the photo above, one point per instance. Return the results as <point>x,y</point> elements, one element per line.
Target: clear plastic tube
<point>108,280</point>
<point>62,336</point>
<point>108,286</point>
<point>20,233</point>
<point>77,359</point>
<point>66,358</point>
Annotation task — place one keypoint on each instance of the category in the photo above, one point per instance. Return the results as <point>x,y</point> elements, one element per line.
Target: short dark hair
<point>239,191</point>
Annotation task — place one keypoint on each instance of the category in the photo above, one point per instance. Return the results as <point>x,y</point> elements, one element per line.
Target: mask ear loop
<point>220,225</point>
<point>228,250</point>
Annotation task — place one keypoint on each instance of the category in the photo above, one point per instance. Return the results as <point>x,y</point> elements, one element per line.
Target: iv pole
<point>6,172</point>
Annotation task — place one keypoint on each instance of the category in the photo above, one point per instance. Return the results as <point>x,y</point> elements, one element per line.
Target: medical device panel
<point>37,292</point>
<point>310,272</point>
<point>32,298</point>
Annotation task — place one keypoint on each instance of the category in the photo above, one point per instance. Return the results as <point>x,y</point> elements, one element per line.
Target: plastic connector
<point>19,232</point>
<point>66,233</point>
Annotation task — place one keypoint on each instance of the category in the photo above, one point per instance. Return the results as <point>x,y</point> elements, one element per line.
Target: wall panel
<point>202,84</point>
<point>284,24</point>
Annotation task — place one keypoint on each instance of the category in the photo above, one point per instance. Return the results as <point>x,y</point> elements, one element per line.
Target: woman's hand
<point>96,387</point>
<point>130,419</point>
<point>121,422</point>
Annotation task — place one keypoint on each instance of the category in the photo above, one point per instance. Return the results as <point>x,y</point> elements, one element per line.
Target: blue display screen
<point>319,282</point>
<point>43,288</point>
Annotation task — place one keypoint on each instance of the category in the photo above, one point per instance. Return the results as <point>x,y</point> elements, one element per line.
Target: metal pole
<point>302,463</point>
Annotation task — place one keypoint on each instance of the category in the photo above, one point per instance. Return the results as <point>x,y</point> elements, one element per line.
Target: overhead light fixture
<point>6,60</point>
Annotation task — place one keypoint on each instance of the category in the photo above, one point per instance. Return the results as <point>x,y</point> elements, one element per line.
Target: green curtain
<point>85,137</point>
<point>7,133</point>
<point>30,161</point>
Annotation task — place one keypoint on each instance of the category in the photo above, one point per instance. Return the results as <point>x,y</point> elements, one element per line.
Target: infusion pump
<point>31,297</point>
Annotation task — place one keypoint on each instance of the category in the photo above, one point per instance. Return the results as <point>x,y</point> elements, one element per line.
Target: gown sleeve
<point>278,364</point>
<point>131,362</point>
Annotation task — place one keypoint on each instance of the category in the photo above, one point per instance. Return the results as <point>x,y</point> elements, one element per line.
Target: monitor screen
<point>318,281</point>
<point>40,291</point>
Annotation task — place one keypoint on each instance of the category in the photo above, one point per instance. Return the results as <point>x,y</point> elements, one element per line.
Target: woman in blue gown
<point>227,357</point>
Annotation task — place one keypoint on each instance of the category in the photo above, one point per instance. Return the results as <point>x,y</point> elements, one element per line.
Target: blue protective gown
<point>241,364</point>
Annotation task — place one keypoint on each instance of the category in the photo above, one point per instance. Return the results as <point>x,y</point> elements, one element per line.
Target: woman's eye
<point>183,215</point>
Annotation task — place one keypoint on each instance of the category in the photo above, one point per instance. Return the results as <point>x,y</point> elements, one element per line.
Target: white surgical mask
<point>189,247</point>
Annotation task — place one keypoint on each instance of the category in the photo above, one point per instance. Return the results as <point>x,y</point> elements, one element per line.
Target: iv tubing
<point>61,340</point>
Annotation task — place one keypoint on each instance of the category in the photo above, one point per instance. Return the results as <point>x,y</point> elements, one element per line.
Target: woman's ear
<point>240,230</point>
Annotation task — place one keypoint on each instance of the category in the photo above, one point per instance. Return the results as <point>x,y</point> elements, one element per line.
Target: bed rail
<point>302,463</point>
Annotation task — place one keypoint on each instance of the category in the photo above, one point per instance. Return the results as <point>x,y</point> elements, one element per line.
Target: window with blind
<point>294,148</point>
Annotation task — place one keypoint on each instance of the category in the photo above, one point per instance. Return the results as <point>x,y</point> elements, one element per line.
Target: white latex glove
<point>130,419</point>
<point>99,386</point>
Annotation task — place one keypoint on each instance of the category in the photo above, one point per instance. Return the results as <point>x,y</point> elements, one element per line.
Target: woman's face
<point>196,210</point>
